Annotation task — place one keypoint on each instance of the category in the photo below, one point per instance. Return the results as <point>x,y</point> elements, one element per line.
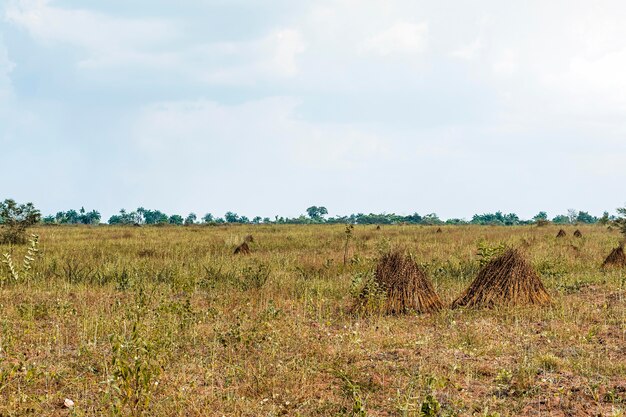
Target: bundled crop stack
<point>616,258</point>
<point>406,286</point>
<point>244,248</point>
<point>506,280</point>
<point>578,233</point>
<point>561,233</point>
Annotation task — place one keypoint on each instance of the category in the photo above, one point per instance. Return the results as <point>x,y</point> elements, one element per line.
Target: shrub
<point>16,219</point>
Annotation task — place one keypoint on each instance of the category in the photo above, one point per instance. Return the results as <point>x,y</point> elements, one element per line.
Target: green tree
<point>208,218</point>
<point>584,217</point>
<point>317,213</point>
<point>604,220</point>
<point>561,219</point>
<point>231,217</point>
<point>16,219</point>
<point>541,216</point>
<point>176,219</point>
<point>191,219</point>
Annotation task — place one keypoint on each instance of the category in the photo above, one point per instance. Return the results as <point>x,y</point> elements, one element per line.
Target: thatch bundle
<point>578,233</point>
<point>242,249</point>
<point>378,227</point>
<point>508,280</point>
<point>561,233</point>
<point>406,286</point>
<point>616,258</point>
<point>439,230</point>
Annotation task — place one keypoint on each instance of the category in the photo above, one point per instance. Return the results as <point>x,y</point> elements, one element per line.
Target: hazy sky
<point>268,107</point>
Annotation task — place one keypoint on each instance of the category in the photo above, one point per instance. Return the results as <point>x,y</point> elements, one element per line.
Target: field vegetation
<point>167,321</point>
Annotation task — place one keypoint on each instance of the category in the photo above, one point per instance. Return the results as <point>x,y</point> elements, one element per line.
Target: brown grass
<point>509,280</point>
<point>407,287</point>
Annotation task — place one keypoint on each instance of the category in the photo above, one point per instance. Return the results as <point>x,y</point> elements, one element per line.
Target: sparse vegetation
<point>166,321</point>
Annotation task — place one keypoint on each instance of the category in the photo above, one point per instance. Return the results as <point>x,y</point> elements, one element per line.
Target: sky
<point>267,108</point>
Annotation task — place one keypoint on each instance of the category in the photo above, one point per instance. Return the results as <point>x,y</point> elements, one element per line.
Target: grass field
<point>165,321</point>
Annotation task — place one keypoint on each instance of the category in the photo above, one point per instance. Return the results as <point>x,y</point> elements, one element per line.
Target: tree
<point>208,218</point>
<point>231,217</point>
<point>152,216</point>
<point>561,219</point>
<point>584,217</point>
<point>541,216</point>
<point>125,218</point>
<point>317,213</point>
<point>572,215</point>
<point>191,219</point>
<point>604,220</point>
<point>176,219</point>
<point>16,219</point>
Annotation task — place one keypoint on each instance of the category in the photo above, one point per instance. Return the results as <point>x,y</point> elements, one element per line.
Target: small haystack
<point>578,233</point>
<point>561,233</point>
<point>439,230</point>
<point>509,280</point>
<point>616,258</point>
<point>378,227</point>
<point>242,249</point>
<point>406,285</point>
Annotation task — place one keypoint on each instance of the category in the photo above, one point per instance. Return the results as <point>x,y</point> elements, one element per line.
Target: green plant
<point>353,390</point>
<point>16,219</point>
<point>430,406</point>
<point>254,277</point>
<point>27,261</point>
<point>369,296</point>
<point>487,251</point>
<point>133,374</point>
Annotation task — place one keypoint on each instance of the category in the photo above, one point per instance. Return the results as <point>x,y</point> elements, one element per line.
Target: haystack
<point>242,249</point>
<point>508,280</point>
<point>616,258</point>
<point>578,233</point>
<point>439,230</point>
<point>406,286</point>
<point>378,227</point>
<point>561,233</point>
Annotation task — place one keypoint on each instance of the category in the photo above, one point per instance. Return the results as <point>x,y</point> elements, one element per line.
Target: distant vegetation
<point>318,215</point>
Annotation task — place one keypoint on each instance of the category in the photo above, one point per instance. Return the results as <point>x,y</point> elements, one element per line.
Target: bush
<point>16,219</point>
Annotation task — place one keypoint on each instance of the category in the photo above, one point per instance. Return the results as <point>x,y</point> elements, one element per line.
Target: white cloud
<point>402,38</point>
<point>268,127</point>
<point>157,45</point>
<point>107,40</point>
<point>469,51</point>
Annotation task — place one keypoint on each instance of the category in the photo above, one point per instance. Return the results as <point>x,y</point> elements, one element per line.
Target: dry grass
<point>405,285</point>
<point>616,258</point>
<point>167,322</point>
<point>506,280</point>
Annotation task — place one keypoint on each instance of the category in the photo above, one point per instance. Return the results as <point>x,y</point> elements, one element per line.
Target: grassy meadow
<point>166,321</point>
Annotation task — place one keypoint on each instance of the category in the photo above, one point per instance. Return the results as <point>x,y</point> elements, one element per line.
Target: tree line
<point>314,215</point>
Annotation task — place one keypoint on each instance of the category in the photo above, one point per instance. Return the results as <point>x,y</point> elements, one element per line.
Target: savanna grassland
<point>166,321</point>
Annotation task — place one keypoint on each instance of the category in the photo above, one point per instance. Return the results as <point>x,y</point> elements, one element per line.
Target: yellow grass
<point>271,334</point>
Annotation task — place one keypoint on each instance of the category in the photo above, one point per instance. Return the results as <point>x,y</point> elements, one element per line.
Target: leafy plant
<point>134,372</point>
<point>27,262</point>
<point>16,219</point>
<point>486,252</point>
